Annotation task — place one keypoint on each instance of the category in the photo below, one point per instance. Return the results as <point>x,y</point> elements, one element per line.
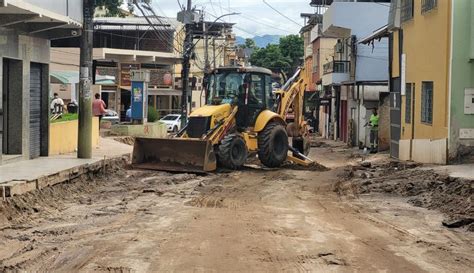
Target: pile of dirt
<point>314,167</point>
<point>254,163</point>
<point>49,200</point>
<point>319,144</point>
<point>125,140</point>
<point>424,188</point>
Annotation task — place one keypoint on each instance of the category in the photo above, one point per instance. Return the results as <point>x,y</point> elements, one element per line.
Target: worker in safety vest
<point>374,131</point>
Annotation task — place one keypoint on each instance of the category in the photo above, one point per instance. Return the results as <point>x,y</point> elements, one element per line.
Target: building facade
<point>461,100</point>
<point>356,75</point>
<point>26,29</point>
<point>432,86</point>
<point>121,45</point>
<point>322,52</point>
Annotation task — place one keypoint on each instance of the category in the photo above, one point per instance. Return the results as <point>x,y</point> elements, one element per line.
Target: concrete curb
<point>19,187</point>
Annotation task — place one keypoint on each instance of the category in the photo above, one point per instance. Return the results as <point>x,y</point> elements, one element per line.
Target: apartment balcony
<point>49,19</point>
<point>336,72</point>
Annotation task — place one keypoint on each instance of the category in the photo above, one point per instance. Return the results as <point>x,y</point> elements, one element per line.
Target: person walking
<point>98,107</point>
<point>57,105</point>
<point>374,131</point>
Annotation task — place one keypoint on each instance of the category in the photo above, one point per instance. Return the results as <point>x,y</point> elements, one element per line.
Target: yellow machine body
<point>194,150</point>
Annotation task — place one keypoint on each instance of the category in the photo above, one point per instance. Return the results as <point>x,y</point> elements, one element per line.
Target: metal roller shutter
<point>35,110</point>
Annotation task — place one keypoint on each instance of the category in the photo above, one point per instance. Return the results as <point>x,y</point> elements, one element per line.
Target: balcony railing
<point>336,67</point>
<point>427,5</point>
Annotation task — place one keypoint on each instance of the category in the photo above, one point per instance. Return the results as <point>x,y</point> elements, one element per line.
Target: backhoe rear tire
<point>273,145</point>
<point>232,152</point>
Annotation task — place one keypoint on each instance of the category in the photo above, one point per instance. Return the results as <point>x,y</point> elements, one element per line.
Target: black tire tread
<point>265,152</point>
<point>224,152</point>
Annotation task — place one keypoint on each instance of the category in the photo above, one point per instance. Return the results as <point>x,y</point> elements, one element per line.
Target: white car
<point>111,116</point>
<point>173,122</point>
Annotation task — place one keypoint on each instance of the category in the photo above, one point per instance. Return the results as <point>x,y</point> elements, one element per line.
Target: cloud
<point>256,18</point>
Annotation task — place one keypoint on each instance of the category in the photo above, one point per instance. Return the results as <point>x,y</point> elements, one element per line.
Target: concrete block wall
<point>26,50</point>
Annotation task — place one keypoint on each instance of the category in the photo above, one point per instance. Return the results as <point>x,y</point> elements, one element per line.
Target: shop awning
<point>64,77</point>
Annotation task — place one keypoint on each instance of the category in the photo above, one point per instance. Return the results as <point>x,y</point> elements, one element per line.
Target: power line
<point>156,32</point>
<point>175,26</point>
<point>179,4</point>
<point>241,29</point>
<point>277,11</point>
<point>220,5</point>
<point>253,19</point>
<point>212,6</point>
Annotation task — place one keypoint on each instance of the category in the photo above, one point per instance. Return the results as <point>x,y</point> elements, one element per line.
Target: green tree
<point>292,46</point>
<point>112,6</point>
<point>250,43</point>
<point>271,57</point>
<point>285,57</point>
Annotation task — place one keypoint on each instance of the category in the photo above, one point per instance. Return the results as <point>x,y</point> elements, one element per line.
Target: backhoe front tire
<point>273,145</point>
<point>232,152</point>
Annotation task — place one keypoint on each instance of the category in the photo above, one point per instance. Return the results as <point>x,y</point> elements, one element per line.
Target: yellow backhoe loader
<point>242,116</point>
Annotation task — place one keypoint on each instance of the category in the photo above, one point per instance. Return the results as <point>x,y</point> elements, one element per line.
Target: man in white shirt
<point>57,104</point>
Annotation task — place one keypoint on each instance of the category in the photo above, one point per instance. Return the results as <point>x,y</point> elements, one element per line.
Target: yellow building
<point>420,80</point>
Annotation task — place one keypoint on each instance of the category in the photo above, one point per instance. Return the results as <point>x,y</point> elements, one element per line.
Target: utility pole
<point>207,64</point>
<point>188,48</point>
<point>84,141</point>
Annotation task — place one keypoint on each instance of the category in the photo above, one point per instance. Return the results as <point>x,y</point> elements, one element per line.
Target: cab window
<point>257,91</point>
<point>268,92</point>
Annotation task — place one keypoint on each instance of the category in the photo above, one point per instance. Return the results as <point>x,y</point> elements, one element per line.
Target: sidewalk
<point>465,171</point>
<point>24,176</point>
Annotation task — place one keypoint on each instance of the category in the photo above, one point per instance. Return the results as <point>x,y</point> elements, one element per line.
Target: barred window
<point>407,10</point>
<point>427,102</point>
<point>427,5</point>
<point>410,87</point>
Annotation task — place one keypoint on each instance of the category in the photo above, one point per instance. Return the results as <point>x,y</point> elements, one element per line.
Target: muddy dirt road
<point>245,221</point>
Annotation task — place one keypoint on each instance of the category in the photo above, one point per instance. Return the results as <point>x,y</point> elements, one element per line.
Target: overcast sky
<point>256,18</point>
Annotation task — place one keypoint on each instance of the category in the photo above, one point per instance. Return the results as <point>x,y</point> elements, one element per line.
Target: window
<point>427,5</point>
<point>427,102</point>
<point>225,86</point>
<point>257,90</point>
<point>408,101</point>
<point>268,92</point>
<point>407,10</point>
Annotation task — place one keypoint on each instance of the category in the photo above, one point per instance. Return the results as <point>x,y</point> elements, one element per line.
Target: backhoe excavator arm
<point>292,96</point>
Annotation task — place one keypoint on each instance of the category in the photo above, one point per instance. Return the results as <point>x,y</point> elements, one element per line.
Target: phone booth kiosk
<point>139,101</point>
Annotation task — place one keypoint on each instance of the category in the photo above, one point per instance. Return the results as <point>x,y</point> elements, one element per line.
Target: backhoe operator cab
<point>239,106</point>
<point>248,88</point>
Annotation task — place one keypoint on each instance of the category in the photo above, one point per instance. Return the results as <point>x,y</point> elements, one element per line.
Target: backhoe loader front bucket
<point>174,154</point>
